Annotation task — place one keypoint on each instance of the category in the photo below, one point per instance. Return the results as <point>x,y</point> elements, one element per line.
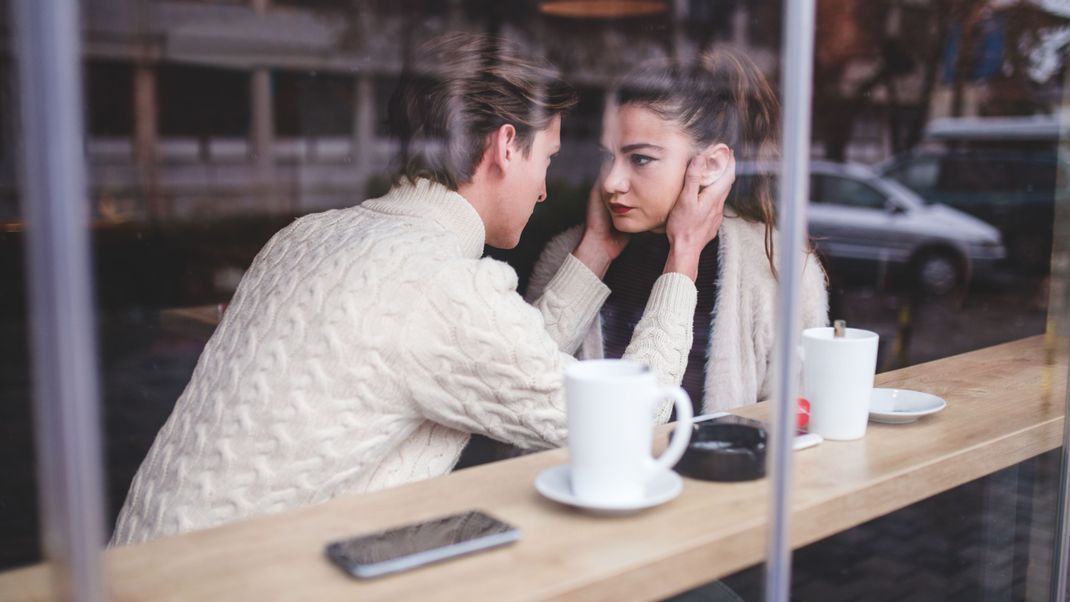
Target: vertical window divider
<point>796,85</point>
<point>1060,562</point>
<point>55,207</point>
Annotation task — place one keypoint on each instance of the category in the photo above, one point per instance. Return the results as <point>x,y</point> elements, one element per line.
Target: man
<point>365,345</point>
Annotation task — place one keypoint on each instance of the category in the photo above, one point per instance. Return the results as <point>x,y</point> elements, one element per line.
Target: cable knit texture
<point>362,348</point>
<point>744,314</point>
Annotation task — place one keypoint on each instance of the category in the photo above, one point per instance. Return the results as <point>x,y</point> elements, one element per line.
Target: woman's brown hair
<point>722,97</point>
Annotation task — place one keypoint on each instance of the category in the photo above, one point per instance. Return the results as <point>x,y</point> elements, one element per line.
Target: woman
<point>665,118</point>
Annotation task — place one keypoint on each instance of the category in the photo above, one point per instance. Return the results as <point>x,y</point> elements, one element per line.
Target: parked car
<point>856,217</point>
<point>1004,171</point>
<point>861,223</point>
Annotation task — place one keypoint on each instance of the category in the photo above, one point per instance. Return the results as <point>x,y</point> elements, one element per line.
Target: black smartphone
<point>410,546</point>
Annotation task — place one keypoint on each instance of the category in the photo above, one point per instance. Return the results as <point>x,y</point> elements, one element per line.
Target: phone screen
<point>413,545</point>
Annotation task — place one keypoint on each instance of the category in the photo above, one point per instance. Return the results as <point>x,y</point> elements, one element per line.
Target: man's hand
<point>601,242</point>
<point>697,216</point>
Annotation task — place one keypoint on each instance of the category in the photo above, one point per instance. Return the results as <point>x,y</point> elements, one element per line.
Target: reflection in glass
<point>212,125</point>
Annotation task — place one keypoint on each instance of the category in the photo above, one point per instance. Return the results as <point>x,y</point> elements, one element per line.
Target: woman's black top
<point>630,279</point>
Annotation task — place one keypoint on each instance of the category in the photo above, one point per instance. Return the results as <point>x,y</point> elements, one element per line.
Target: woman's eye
<point>607,157</point>
<point>641,160</point>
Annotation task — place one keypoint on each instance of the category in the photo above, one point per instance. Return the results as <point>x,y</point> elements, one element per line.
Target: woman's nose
<point>616,181</point>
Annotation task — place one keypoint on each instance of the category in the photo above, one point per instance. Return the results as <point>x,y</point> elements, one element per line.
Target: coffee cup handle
<point>681,435</point>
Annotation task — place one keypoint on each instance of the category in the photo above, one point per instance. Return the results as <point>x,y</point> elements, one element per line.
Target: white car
<point>859,221</point>
<point>858,216</point>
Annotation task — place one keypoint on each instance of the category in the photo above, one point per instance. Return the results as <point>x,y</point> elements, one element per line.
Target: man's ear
<point>717,158</point>
<point>501,149</point>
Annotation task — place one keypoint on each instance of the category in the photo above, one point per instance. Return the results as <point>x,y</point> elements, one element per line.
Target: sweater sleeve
<point>662,339</point>
<point>663,336</point>
<point>566,292</point>
<point>486,364</point>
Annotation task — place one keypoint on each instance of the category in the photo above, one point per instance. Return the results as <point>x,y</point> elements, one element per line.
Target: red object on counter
<point>803,416</point>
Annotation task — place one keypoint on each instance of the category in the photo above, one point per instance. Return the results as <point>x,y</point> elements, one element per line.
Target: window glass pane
<point>109,98</point>
<point>1035,177</point>
<point>313,104</point>
<point>19,526</point>
<point>963,140</point>
<point>202,101</point>
<point>919,174</point>
<point>837,190</point>
<point>971,173</point>
<point>274,367</point>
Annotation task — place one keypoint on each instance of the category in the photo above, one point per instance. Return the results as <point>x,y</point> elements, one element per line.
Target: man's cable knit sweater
<point>361,350</point>
<point>742,328</point>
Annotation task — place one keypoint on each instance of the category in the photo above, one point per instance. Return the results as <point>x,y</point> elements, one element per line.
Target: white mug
<point>838,380</point>
<point>611,407</point>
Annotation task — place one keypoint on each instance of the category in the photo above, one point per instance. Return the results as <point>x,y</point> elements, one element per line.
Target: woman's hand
<point>601,242</point>
<point>697,216</point>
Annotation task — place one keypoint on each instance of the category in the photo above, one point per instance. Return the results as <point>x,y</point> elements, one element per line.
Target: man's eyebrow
<point>637,146</point>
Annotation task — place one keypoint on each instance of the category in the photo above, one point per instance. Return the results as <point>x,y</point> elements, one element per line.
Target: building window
<point>203,102</point>
<point>312,105</point>
<point>109,98</point>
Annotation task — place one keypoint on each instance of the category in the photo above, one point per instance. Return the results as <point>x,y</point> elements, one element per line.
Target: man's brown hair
<point>471,85</point>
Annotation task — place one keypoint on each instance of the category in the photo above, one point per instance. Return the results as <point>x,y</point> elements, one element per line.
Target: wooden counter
<point>1005,405</point>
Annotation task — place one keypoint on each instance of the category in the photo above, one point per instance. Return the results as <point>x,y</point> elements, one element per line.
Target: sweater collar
<point>432,201</point>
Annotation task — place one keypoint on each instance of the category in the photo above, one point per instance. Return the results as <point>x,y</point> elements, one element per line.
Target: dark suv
<point>1012,189</point>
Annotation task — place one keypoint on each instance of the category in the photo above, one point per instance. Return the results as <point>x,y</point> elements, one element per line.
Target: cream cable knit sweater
<point>742,330</point>
<point>361,349</point>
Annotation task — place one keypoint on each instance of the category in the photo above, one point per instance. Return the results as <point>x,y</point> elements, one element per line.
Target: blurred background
<point>211,124</point>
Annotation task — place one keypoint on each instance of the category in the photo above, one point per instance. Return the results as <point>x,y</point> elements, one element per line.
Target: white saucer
<point>899,406</point>
<point>556,484</point>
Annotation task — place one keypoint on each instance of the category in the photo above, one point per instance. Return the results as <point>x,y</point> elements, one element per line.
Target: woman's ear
<point>717,158</point>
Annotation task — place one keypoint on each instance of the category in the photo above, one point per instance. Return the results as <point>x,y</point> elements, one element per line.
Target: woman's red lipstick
<point>619,209</point>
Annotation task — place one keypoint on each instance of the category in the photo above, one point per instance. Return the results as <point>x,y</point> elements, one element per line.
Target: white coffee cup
<point>838,380</point>
<point>611,406</point>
